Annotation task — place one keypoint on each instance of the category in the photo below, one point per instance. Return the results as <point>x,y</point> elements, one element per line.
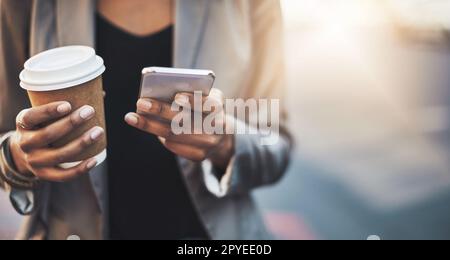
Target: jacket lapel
<point>191,19</point>
<point>75,22</point>
<point>43,27</point>
<point>75,25</point>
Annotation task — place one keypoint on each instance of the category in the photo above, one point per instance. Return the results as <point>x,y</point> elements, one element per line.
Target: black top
<point>148,197</point>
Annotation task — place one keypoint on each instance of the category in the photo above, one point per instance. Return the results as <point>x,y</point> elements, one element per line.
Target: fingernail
<point>96,133</point>
<point>144,105</point>
<point>64,108</point>
<point>162,139</point>
<point>91,164</point>
<point>181,99</point>
<point>87,112</point>
<point>132,119</point>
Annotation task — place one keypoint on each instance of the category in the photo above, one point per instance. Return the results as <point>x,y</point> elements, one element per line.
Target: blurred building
<point>369,93</point>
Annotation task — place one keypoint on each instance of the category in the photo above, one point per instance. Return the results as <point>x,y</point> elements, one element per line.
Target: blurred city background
<point>369,98</point>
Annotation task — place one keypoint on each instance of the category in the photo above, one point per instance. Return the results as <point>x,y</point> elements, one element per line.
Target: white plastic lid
<point>61,68</point>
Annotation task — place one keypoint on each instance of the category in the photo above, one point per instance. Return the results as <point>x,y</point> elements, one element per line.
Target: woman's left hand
<point>155,117</point>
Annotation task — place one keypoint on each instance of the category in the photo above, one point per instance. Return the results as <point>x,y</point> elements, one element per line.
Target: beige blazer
<point>241,40</point>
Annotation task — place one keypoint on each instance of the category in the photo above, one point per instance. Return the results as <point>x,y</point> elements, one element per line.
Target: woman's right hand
<point>38,128</point>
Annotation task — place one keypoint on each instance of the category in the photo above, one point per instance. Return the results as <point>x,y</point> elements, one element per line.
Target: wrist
<point>222,156</point>
<point>17,158</point>
<point>10,175</point>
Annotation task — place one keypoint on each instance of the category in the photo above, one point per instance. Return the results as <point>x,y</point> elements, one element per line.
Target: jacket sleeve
<point>14,38</point>
<point>259,161</point>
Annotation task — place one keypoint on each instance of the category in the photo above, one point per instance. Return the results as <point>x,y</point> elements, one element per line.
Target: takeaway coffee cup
<point>73,74</point>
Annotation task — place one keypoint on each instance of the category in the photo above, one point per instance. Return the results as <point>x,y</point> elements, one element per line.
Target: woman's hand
<point>155,117</point>
<point>38,128</point>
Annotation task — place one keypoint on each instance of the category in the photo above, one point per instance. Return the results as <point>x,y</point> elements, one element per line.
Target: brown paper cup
<point>71,74</point>
<point>90,93</point>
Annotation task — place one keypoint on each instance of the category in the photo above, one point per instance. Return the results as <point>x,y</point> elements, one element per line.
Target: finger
<point>33,117</point>
<point>149,125</point>
<point>191,101</point>
<point>157,127</point>
<point>52,157</point>
<point>52,133</point>
<point>200,141</point>
<point>208,103</point>
<point>189,152</point>
<point>214,101</point>
<point>62,175</point>
<point>160,111</point>
<point>216,94</point>
<point>156,109</point>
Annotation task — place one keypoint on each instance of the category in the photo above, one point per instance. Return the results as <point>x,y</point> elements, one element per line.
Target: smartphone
<point>164,83</point>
